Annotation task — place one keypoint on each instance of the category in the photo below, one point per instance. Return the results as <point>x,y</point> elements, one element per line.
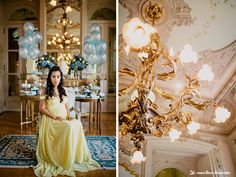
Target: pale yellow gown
<point>62,147</point>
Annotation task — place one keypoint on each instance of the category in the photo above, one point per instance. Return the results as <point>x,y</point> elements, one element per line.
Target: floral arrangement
<point>46,61</point>
<point>78,63</point>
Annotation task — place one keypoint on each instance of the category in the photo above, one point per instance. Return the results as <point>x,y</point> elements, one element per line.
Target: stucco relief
<point>175,12</point>
<point>228,102</point>
<point>219,59</point>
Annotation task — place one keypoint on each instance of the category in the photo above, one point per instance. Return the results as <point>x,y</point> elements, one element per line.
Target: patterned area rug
<point>19,151</point>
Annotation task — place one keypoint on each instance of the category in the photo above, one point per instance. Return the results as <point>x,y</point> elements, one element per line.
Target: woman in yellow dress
<point>62,147</point>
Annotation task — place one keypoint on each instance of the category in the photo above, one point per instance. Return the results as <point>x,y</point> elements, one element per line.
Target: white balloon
<point>23,52</point>
<point>95,27</point>
<point>92,59</point>
<point>28,27</point>
<point>95,37</point>
<point>34,52</point>
<point>29,39</point>
<point>101,47</point>
<point>37,37</point>
<point>101,59</point>
<point>88,47</point>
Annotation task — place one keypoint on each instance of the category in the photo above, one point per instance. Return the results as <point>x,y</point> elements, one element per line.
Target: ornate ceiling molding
<point>175,13</point>
<point>229,86</point>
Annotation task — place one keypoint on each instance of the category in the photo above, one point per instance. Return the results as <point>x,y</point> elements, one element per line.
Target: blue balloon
<point>29,39</point>
<point>24,42</point>
<point>92,59</point>
<point>28,27</point>
<point>34,52</point>
<point>37,37</point>
<point>95,37</point>
<point>95,27</point>
<point>21,42</point>
<point>23,52</point>
<point>101,59</point>
<point>88,47</point>
<point>101,47</point>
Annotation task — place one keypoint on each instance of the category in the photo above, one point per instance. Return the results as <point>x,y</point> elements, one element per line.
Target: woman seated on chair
<point>62,147</point>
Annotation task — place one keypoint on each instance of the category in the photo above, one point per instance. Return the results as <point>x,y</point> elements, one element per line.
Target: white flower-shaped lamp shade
<point>174,135</point>
<point>68,9</point>
<point>53,2</point>
<point>137,34</point>
<point>187,55</point>
<point>137,157</point>
<point>221,114</point>
<point>193,127</point>
<point>206,74</point>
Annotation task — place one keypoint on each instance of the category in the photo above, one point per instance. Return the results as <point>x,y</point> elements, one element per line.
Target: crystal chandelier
<point>65,41</point>
<point>144,114</point>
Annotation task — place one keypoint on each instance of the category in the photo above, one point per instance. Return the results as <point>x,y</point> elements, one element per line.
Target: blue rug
<point>19,151</point>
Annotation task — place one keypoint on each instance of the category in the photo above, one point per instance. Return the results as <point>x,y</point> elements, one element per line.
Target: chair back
<point>71,96</point>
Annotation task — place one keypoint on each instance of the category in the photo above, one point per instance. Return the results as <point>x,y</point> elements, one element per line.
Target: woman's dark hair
<point>49,87</point>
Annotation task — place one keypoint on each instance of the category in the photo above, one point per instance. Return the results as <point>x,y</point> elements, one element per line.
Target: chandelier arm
<point>187,92</point>
<point>170,63</point>
<point>161,126</point>
<point>199,106</point>
<point>153,77</point>
<point>130,109</point>
<point>190,92</point>
<point>158,51</point>
<point>154,111</point>
<point>128,89</point>
<point>174,106</point>
<point>128,72</point>
<point>186,119</point>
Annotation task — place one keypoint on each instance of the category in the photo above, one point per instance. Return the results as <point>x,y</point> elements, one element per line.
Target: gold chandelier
<point>144,115</point>
<point>66,4</point>
<point>65,41</point>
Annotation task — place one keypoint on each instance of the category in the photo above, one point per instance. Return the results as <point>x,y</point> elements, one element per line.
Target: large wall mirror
<point>63,29</point>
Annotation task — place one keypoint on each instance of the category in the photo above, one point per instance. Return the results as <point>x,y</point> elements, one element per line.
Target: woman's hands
<point>59,118</point>
<point>70,118</point>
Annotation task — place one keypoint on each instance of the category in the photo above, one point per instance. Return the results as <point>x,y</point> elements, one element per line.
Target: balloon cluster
<point>94,46</point>
<point>28,43</point>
